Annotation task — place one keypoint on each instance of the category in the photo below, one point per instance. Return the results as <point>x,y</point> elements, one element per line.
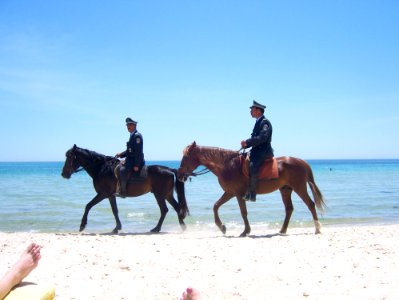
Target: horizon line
<point>174,160</point>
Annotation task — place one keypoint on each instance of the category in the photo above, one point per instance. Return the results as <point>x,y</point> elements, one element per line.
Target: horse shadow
<point>115,234</point>
<point>251,236</point>
<point>268,236</point>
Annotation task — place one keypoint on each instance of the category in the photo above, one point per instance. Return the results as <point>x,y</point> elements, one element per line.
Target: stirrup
<point>117,194</point>
<point>250,196</point>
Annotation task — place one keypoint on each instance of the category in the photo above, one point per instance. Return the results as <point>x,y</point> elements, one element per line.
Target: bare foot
<point>191,294</point>
<point>27,262</point>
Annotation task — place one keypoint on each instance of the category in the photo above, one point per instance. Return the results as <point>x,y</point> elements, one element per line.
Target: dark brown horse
<point>160,180</point>
<point>294,174</point>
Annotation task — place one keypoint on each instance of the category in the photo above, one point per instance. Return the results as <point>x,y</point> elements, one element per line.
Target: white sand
<point>359,262</point>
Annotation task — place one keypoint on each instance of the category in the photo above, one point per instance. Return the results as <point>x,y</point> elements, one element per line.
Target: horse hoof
<point>244,234</point>
<point>223,229</point>
<point>115,231</point>
<point>183,227</point>
<point>155,230</point>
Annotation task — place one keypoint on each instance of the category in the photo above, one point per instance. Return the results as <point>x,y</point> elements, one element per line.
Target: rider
<point>260,141</point>
<point>134,156</point>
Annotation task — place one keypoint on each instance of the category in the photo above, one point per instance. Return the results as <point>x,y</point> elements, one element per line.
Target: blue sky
<point>72,71</point>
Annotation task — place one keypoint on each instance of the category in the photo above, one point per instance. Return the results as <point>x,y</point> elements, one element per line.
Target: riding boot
<point>251,194</point>
<point>122,190</point>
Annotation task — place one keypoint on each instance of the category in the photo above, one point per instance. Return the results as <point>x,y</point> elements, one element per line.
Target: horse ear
<point>74,146</point>
<point>194,144</point>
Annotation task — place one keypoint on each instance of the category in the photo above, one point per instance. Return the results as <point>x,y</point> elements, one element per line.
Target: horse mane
<point>217,153</point>
<point>97,155</point>
<point>92,153</point>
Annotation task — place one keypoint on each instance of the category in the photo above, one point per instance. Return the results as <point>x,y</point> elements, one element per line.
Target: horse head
<point>189,162</point>
<point>71,164</point>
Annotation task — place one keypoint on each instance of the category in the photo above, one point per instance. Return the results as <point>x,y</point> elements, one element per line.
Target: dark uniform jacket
<point>134,152</point>
<point>260,140</point>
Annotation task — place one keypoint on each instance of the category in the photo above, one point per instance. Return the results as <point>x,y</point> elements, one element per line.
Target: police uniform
<point>260,141</point>
<point>134,157</point>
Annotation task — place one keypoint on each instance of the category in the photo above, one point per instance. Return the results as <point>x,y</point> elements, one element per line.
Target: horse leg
<point>244,215</point>
<point>176,207</point>
<point>97,199</point>
<point>286,193</point>
<point>164,210</point>
<point>225,197</point>
<point>114,208</point>
<point>303,193</point>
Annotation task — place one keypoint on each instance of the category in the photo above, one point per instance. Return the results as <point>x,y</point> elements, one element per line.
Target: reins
<point>202,172</point>
<point>81,168</point>
<point>78,169</point>
<point>206,170</point>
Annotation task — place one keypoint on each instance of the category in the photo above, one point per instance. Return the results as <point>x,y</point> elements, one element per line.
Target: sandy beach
<point>357,262</point>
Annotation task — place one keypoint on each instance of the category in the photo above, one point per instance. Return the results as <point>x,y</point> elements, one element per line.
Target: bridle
<point>73,159</point>
<point>205,170</point>
<point>199,173</point>
<point>81,166</point>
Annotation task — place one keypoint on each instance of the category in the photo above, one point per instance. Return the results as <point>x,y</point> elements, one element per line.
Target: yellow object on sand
<point>31,291</point>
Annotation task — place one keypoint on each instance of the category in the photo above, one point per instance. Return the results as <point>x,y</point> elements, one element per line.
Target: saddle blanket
<point>268,170</point>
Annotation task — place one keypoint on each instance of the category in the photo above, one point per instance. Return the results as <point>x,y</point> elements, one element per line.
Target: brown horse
<point>160,181</point>
<point>294,174</point>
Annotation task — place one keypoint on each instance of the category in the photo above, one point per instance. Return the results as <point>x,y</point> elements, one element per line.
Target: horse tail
<point>317,195</point>
<point>181,196</point>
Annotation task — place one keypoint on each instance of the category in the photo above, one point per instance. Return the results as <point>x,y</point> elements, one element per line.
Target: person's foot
<point>120,195</point>
<point>250,196</point>
<point>191,294</point>
<point>26,263</point>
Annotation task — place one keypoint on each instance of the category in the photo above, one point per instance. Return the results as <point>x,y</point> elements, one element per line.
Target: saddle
<point>134,176</point>
<point>268,170</point>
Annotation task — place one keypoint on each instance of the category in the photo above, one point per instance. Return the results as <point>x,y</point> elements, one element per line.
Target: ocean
<point>35,198</point>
